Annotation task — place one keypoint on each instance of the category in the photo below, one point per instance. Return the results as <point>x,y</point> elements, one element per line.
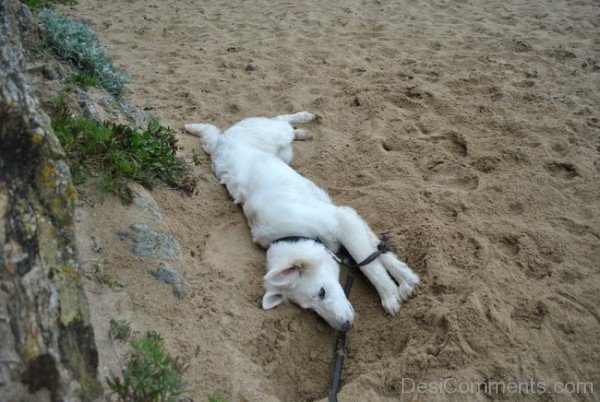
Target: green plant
<point>34,5</point>
<point>95,267</point>
<point>78,44</point>
<point>150,374</point>
<point>120,330</point>
<point>116,153</point>
<point>60,101</point>
<point>217,397</point>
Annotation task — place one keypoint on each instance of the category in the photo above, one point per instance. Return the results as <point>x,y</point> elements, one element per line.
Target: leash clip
<point>383,245</point>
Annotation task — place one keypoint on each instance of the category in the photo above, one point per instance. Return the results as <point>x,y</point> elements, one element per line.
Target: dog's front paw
<point>406,289</point>
<point>391,305</point>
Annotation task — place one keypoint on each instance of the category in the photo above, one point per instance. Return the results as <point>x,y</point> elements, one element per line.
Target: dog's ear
<point>271,299</point>
<point>284,278</point>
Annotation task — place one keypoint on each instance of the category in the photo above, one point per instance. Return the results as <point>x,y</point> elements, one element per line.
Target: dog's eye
<point>322,293</point>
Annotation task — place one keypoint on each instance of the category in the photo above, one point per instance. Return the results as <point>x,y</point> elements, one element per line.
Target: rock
<point>251,66</point>
<point>167,274</point>
<point>144,200</point>
<point>151,244</point>
<point>48,72</point>
<point>88,22</point>
<point>109,108</point>
<point>47,338</point>
<point>134,115</point>
<point>88,107</point>
<point>96,246</point>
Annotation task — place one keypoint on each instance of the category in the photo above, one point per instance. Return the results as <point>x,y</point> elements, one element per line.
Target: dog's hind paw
<point>296,118</point>
<point>302,134</point>
<point>305,117</point>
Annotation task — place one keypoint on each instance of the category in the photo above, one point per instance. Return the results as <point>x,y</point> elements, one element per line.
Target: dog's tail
<point>209,135</point>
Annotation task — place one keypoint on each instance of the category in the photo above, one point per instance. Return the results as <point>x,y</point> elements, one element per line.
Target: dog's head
<point>306,274</point>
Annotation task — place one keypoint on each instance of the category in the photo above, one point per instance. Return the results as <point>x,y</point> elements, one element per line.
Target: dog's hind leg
<point>209,135</point>
<point>360,241</point>
<point>302,134</point>
<point>296,118</point>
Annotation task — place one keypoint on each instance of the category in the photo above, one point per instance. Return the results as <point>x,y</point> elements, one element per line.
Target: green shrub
<point>150,374</point>
<point>78,44</point>
<point>117,153</point>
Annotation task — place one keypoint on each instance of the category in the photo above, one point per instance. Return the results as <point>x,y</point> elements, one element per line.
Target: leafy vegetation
<point>150,374</point>
<point>78,44</point>
<point>116,153</point>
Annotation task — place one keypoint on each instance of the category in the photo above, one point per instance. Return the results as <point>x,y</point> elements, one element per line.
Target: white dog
<point>251,158</point>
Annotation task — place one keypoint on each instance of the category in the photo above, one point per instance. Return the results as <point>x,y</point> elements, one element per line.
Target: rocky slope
<point>48,346</point>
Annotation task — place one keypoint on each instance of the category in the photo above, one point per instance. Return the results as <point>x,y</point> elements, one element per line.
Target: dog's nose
<point>346,326</point>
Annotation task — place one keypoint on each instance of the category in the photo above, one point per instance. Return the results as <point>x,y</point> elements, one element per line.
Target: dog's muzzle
<point>346,326</point>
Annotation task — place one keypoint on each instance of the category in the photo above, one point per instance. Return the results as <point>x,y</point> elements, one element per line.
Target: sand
<point>466,130</point>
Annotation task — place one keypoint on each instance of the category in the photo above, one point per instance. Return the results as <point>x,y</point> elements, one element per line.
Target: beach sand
<point>468,131</point>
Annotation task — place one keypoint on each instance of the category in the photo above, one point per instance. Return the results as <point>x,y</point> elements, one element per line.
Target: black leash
<point>348,262</point>
<point>340,349</point>
<point>340,346</point>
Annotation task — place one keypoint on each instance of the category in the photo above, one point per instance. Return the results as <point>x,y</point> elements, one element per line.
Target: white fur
<point>251,158</point>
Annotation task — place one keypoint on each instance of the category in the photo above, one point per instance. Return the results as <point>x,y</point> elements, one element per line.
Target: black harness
<point>348,262</point>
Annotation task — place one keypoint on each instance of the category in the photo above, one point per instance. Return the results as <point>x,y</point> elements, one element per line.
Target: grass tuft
<point>77,43</point>
<point>120,330</point>
<point>150,374</point>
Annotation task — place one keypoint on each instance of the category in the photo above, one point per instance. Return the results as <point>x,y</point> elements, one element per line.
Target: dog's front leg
<point>360,241</point>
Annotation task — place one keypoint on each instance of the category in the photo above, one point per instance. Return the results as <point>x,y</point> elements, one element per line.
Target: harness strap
<point>382,248</point>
